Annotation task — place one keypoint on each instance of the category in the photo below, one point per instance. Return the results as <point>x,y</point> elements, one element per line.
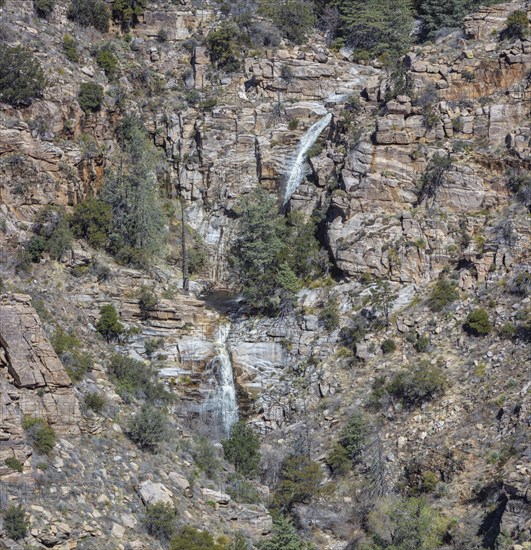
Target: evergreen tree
<point>376,27</point>
<point>436,15</point>
<point>92,220</point>
<point>256,252</point>
<point>108,324</point>
<point>241,449</point>
<point>273,255</point>
<point>285,537</point>
<point>353,436</point>
<point>16,521</point>
<point>300,480</point>
<point>90,13</point>
<point>128,11</point>
<point>21,76</point>
<point>138,221</point>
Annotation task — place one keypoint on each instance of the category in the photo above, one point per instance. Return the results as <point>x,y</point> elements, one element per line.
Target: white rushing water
<point>297,166</point>
<point>222,406</point>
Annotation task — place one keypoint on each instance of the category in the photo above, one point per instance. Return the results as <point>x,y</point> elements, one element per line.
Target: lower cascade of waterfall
<point>221,405</point>
<point>297,168</point>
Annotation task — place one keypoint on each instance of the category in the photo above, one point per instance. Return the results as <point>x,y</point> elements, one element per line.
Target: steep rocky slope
<point>410,177</point>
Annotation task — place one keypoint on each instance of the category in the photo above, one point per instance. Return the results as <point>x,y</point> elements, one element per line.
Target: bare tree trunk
<point>186,278</point>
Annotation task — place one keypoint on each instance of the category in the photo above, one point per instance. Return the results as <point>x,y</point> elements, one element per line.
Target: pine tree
<point>21,76</point>
<point>256,252</point>
<point>241,449</point>
<point>138,221</point>
<point>376,27</point>
<point>128,11</point>
<point>285,537</point>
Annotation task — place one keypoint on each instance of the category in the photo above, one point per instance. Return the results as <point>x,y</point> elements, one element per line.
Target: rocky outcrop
<point>41,386</point>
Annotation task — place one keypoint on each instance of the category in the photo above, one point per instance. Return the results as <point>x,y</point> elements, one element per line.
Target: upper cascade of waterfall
<point>296,168</point>
<point>222,402</point>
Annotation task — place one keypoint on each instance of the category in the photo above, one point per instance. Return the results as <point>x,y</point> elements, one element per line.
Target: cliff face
<point>412,184</point>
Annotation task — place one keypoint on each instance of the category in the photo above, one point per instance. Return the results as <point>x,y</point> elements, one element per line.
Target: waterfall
<point>221,405</point>
<point>297,171</point>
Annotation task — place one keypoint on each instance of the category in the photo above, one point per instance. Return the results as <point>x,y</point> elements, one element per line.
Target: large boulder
<point>154,493</point>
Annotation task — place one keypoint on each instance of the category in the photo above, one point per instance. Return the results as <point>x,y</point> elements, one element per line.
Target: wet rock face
<point>34,380</point>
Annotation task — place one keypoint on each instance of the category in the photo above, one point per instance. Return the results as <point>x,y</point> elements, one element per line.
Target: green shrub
<point>293,124</point>
<point>458,124</point>
<point>404,524</point>
<point>206,458</point>
<point>197,258</point>
<point>242,449</point>
<point>207,104</point>
<point>152,345</point>
<point>95,402</point>
<point>70,48</point>
<point>92,221</point>
<point>41,435</point>
<point>14,464</point>
<point>517,24</point>
<point>329,314</point>
<point>147,301</point>
<point>190,538</point>
<point>162,36</point>
<point>77,364</point>
<point>90,97</point>
<point>106,59</point>
<point>63,341</point>
<point>21,76</point>
<point>417,385</point>
<point>34,250</point>
<point>44,7</point>
<point>148,428</point>
<point>108,324</point>
<point>300,480</point>
<point>477,323</point>
<point>508,330</point>
<point>430,480</point>
<point>160,520</point>
<point>136,380</point>
<point>339,460</point>
<point>16,522</point>
<point>354,334</point>
<point>388,346</point>
<point>442,295</point>
<point>51,226</point>
<point>422,344</point>
<point>241,490</point>
<point>90,13</point>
